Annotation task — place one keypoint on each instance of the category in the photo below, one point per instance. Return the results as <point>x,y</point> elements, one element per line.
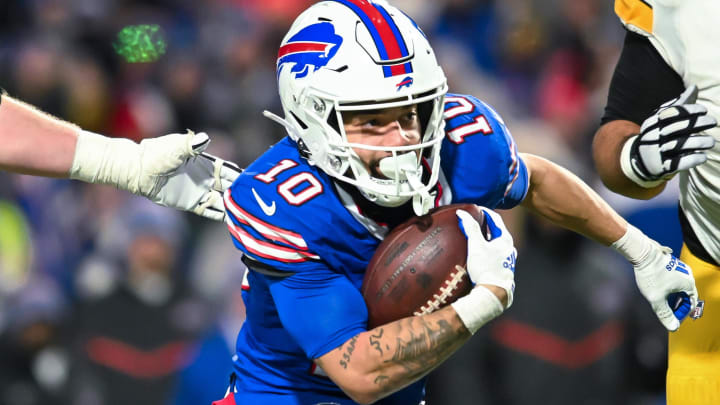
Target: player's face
<point>398,126</point>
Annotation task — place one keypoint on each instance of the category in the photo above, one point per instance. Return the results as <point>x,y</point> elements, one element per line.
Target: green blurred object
<point>15,247</point>
<point>140,43</point>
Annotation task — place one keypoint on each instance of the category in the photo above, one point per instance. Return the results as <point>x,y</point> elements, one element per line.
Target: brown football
<point>414,270</point>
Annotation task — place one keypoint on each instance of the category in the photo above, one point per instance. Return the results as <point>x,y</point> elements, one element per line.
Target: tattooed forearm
<point>375,340</point>
<point>378,362</point>
<point>382,380</point>
<point>425,346</point>
<point>350,348</point>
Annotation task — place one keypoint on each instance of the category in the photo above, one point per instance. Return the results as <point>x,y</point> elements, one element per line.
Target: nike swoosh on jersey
<point>269,210</point>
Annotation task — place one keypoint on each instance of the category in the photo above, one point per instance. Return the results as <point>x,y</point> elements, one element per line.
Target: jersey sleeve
<point>320,309</point>
<point>270,243</point>
<point>268,208</point>
<point>634,91</point>
<point>480,157</point>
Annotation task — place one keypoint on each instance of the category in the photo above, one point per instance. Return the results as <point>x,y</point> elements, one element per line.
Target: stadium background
<point>107,299</point>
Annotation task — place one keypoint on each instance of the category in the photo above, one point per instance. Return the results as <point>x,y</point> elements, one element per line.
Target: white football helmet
<point>349,55</point>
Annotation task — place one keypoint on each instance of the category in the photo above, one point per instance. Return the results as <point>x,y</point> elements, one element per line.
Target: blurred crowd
<point>108,299</point>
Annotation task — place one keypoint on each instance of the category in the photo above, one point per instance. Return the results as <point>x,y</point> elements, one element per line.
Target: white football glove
<point>665,281</point>
<point>670,140</point>
<point>170,170</point>
<point>491,261</point>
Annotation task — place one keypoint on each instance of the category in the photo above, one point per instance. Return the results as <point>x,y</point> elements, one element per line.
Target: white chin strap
<point>405,167</point>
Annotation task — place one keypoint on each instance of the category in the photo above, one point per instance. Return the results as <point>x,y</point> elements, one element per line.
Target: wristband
<point>102,160</point>
<point>627,169</point>
<point>633,245</point>
<point>477,308</point>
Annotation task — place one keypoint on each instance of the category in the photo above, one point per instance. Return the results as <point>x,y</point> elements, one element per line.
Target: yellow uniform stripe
<point>635,12</point>
<point>693,376</point>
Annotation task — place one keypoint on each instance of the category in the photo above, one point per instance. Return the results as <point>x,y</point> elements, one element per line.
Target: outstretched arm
<point>567,201</point>
<point>171,170</point>
<point>34,142</point>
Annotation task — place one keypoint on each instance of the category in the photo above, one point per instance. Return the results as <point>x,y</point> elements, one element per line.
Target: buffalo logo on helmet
<point>406,82</point>
<point>310,49</point>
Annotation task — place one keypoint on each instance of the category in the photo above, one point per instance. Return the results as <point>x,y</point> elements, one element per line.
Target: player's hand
<point>668,284</point>
<point>176,173</point>
<point>491,259</point>
<point>670,140</point>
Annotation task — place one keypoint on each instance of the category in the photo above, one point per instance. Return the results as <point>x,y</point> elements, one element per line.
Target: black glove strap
<point>638,165</point>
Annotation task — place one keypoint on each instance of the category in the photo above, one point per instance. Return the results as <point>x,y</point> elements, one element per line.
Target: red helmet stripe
<point>294,47</point>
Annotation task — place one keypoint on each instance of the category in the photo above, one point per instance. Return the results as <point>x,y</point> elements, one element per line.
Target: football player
<point>645,140</point>
<point>375,138</point>
<point>171,170</point>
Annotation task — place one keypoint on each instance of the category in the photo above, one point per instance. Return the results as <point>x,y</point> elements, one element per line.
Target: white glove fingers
<point>681,112</point>
<point>668,141</point>
<point>687,146</point>
<point>230,166</point>
<point>671,323</point>
<point>688,161</point>
<point>495,223</point>
<point>211,207</point>
<point>694,297</point>
<point>674,129</point>
<point>489,262</point>
<point>705,122</point>
<point>682,127</point>
<point>212,214</point>
<point>228,173</point>
<point>198,142</point>
<point>699,142</point>
<point>469,226</point>
<point>649,126</point>
<point>665,315</point>
<point>693,109</point>
<point>223,172</point>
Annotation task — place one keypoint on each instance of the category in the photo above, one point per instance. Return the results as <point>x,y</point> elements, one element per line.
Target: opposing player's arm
<point>645,139</point>
<point>34,142</point>
<point>170,170</point>
<point>607,146</point>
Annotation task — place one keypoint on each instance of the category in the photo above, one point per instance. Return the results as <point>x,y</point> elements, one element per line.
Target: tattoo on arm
<point>381,380</point>
<point>425,347</point>
<point>350,348</point>
<point>375,340</point>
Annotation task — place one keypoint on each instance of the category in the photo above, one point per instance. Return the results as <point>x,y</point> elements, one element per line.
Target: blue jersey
<point>307,245</point>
